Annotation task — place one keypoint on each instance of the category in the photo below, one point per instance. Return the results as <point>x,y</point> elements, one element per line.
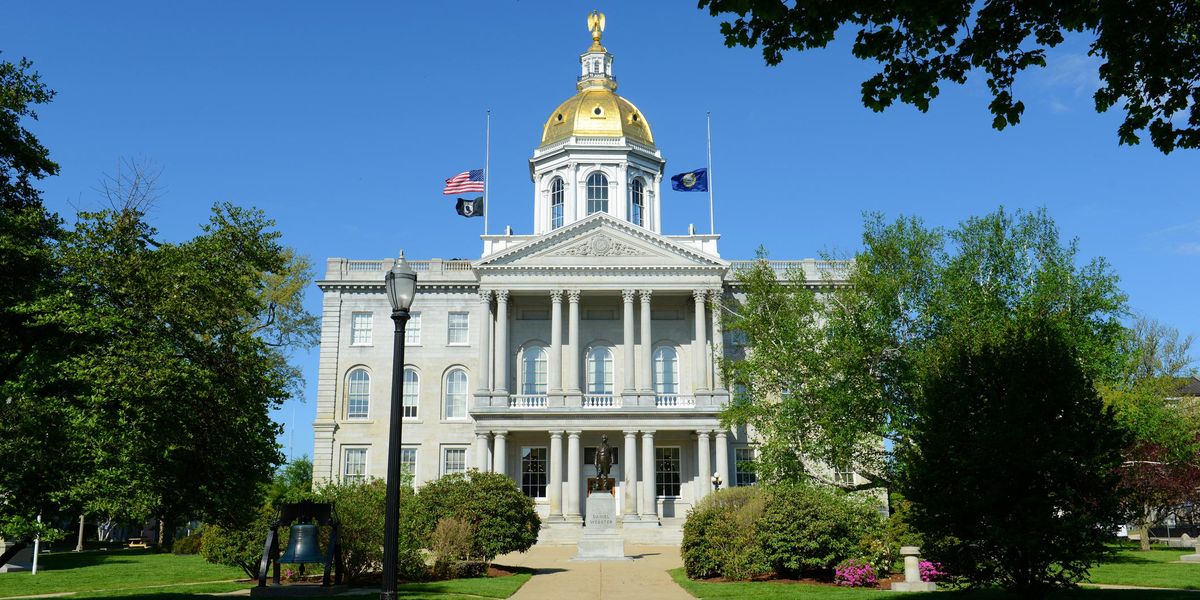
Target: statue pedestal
<point>601,540</point>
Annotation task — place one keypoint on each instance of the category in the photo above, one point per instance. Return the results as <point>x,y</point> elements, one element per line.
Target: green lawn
<point>1156,568</point>
<point>132,574</point>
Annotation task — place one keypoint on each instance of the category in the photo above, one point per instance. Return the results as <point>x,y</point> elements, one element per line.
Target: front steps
<point>669,532</point>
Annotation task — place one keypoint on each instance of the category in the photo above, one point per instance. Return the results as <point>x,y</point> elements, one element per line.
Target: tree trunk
<point>12,551</point>
<point>1144,541</point>
<point>166,533</point>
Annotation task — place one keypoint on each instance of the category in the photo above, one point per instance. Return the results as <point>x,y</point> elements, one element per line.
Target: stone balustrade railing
<point>527,401</point>
<point>601,401</point>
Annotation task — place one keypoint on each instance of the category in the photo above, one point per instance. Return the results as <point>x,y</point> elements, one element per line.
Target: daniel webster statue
<point>603,465</point>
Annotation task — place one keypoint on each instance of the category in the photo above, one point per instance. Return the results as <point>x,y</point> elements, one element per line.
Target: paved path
<point>557,576</point>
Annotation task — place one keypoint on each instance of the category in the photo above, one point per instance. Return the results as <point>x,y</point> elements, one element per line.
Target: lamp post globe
<point>716,481</point>
<point>401,286</point>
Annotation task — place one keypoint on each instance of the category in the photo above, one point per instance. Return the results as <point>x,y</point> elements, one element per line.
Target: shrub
<point>189,544</point>
<point>810,528</point>
<point>450,543</point>
<point>931,571</point>
<point>360,508</point>
<point>502,518</point>
<point>855,572</point>
<point>721,535</point>
<point>237,546</point>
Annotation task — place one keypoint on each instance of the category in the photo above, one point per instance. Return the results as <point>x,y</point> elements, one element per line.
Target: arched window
<point>533,371</point>
<point>358,394</point>
<point>637,203</point>
<point>666,371</point>
<point>412,391</point>
<point>597,193</point>
<point>556,203</point>
<point>599,371</point>
<point>456,394</point>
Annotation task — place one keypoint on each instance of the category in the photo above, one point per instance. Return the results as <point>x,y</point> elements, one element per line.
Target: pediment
<point>601,241</point>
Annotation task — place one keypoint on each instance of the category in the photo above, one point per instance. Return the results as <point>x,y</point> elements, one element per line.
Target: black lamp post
<point>401,283</point>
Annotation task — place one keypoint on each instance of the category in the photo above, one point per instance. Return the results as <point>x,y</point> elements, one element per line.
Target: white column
<point>485,344</point>
<point>573,343</point>
<point>502,341</point>
<point>481,451</point>
<point>556,475</point>
<point>500,455</point>
<point>555,364</point>
<point>574,458</point>
<point>647,382</point>
<point>649,505</point>
<point>630,486</point>
<point>705,470</point>
<point>627,321</point>
<point>718,341</point>
<point>700,345</point>
<point>723,457</point>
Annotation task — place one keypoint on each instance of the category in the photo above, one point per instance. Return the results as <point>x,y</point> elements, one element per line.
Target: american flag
<point>467,181</point>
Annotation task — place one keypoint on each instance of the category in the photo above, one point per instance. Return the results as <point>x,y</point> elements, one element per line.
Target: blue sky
<point>341,121</point>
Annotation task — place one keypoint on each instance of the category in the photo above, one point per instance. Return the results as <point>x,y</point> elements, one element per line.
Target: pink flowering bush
<point>931,571</point>
<point>855,572</point>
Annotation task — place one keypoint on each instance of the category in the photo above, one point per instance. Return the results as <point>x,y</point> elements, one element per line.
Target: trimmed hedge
<point>501,518</point>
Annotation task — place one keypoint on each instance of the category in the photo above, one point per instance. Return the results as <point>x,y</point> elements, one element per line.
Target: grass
<point>1159,567</point>
<point>784,591</point>
<point>134,574</point>
<point>1156,568</point>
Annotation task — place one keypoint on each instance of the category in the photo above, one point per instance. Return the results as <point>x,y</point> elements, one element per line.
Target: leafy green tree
<point>35,437</point>
<point>826,375</point>
<point>1013,471</point>
<point>1149,51</point>
<point>185,356</point>
<point>1162,462</point>
<point>291,483</point>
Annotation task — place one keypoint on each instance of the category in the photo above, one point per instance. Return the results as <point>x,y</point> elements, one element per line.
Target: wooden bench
<point>136,542</point>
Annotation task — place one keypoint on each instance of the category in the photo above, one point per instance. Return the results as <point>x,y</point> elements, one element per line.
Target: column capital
<point>699,294</point>
<point>645,295</point>
<point>649,432</point>
<point>574,433</point>
<point>721,433</point>
<point>573,296</point>
<point>627,296</point>
<point>482,434</point>
<point>556,296</point>
<point>556,433</point>
<point>629,432</point>
<point>501,433</point>
<point>485,296</point>
<point>700,433</point>
<point>502,296</point>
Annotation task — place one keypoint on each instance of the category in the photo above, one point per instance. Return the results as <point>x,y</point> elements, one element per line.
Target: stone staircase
<point>669,533</point>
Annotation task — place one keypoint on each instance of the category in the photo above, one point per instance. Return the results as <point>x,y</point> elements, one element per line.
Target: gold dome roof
<point>597,111</point>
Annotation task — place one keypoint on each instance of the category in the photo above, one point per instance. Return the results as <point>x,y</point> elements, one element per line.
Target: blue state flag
<point>692,181</point>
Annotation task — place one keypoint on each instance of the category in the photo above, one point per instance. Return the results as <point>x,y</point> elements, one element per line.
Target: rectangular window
<point>458,328</point>
<point>533,471</point>
<point>412,390</point>
<point>666,472</point>
<point>412,331</point>
<point>354,464</point>
<point>743,467</point>
<point>843,475</point>
<point>408,464</point>
<point>454,460</point>
<point>360,328</point>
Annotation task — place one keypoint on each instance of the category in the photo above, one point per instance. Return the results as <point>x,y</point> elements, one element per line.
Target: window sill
<point>413,420</point>
<point>362,345</point>
<point>459,345</point>
<point>456,420</point>
<point>363,421</point>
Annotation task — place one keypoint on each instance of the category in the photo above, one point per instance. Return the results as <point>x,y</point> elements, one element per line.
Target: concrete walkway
<point>557,576</point>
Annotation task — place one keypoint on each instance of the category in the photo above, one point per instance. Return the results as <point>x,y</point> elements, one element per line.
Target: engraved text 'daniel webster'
<point>601,245</point>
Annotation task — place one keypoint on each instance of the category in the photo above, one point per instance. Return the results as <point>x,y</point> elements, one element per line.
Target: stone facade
<point>595,324</point>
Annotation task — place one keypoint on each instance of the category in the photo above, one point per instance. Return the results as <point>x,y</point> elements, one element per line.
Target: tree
<point>291,483</point>
<point>1150,51</point>
<point>185,357</point>
<point>34,441</point>
<point>829,374</point>
<point>501,518</point>
<point>1161,469</point>
<point>1012,474</point>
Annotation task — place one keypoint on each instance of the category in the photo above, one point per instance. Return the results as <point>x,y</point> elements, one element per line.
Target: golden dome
<point>597,111</point>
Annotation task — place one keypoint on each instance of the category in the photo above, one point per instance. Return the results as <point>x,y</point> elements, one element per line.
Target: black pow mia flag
<point>470,208</point>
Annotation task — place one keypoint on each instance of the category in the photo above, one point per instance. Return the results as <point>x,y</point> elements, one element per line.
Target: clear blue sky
<point>341,120</point>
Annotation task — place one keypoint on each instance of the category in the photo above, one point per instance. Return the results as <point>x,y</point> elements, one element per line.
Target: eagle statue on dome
<point>596,25</point>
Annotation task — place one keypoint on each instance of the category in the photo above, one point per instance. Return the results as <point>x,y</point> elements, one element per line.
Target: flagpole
<point>711,226</point>
<point>487,176</point>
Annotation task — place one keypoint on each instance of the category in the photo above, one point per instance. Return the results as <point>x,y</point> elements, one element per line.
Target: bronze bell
<point>304,546</point>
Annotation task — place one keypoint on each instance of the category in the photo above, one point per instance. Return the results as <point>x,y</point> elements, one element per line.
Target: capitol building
<point>597,324</point>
